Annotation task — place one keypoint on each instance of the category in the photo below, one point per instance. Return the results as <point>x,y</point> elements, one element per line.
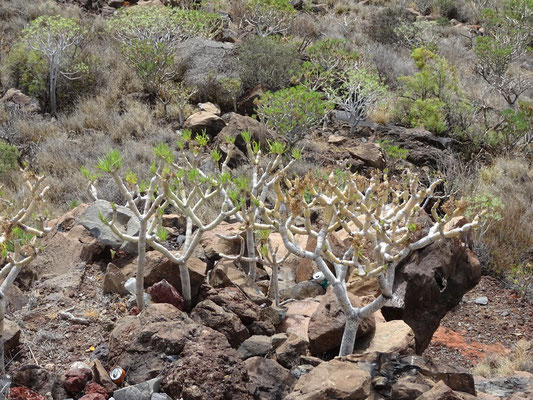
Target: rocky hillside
<point>379,126</point>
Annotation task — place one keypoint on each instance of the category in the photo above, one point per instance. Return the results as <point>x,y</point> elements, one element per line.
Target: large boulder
<point>206,121</point>
<point>125,221</point>
<point>388,369</point>
<point>258,321</point>
<point>335,379</point>
<point>145,345</point>
<point>238,123</point>
<point>370,153</point>
<point>207,369</point>
<point>211,314</point>
<point>326,326</point>
<point>424,148</point>
<point>66,245</point>
<point>388,337</point>
<point>429,283</point>
<point>268,379</point>
<point>298,316</point>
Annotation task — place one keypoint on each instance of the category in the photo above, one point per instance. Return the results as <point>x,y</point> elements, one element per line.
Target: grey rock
<point>257,345</point>
<point>126,222</point>
<point>161,396</point>
<point>114,280</point>
<point>101,352</point>
<point>519,384</point>
<point>301,370</point>
<point>141,391</point>
<point>268,379</point>
<point>211,314</point>
<point>483,300</point>
<point>289,352</point>
<point>302,290</point>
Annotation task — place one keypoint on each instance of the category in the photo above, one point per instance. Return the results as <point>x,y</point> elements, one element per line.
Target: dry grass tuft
<point>496,365</point>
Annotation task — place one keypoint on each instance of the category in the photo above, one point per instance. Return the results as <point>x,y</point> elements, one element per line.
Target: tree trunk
<point>273,290</point>
<point>186,285</point>
<point>3,289</point>
<point>141,261</point>
<point>275,282</point>
<point>350,331</point>
<point>250,244</point>
<point>181,117</point>
<point>52,87</point>
<point>2,316</point>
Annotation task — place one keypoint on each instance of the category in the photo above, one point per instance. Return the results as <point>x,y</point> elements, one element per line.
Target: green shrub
<point>268,61</point>
<point>431,97</point>
<point>269,17</point>
<point>447,8</point>
<point>516,131</point>
<point>329,61</point>
<point>384,23</point>
<point>8,156</point>
<point>292,112</point>
<point>427,113</point>
<point>28,71</point>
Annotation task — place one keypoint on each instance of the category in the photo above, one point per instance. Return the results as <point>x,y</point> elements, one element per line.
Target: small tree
<point>269,17</point>
<point>57,39</point>
<point>509,33</point>
<point>292,112</point>
<point>234,87</point>
<point>252,195</point>
<point>149,36</point>
<point>181,184</point>
<point>20,226</point>
<point>329,60</point>
<point>359,95</point>
<point>431,97</point>
<point>142,200</point>
<point>380,217</point>
<point>175,93</point>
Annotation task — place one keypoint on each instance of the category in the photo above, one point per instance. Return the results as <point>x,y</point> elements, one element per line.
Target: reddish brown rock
<point>430,283</point>
<point>207,369</point>
<point>95,388</point>
<point>214,316</point>
<point>164,292</point>
<point>93,396</point>
<point>21,393</point>
<point>326,326</point>
<point>76,379</point>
